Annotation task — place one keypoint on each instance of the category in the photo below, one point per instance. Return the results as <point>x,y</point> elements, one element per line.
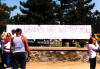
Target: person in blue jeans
<point>7,50</point>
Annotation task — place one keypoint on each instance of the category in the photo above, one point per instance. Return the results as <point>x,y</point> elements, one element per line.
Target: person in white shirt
<point>92,48</point>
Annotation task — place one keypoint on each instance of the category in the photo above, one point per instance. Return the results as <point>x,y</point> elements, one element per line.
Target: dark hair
<point>13,30</point>
<point>93,35</point>
<point>8,34</point>
<point>19,30</point>
<point>90,41</point>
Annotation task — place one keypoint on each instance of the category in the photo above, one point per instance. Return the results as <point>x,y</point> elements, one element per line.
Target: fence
<point>58,43</point>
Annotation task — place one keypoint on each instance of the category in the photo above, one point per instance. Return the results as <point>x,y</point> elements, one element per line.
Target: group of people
<point>13,49</point>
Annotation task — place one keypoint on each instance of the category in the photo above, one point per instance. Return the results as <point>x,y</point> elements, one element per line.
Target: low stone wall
<point>76,55</point>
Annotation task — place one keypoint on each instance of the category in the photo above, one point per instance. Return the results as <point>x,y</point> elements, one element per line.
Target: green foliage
<point>18,19</point>
<point>4,15</point>
<point>76,12</point>
<point>96,21</point>
<point>39,11</point>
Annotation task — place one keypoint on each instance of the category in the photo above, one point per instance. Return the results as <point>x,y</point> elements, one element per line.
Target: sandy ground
<point>59,65</point>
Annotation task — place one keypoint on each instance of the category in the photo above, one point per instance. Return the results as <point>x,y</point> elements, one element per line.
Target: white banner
<point>53,31</point>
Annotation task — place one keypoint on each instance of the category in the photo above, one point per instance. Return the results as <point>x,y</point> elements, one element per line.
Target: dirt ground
<point>59,65</point>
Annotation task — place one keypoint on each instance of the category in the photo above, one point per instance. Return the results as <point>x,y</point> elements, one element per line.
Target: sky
<point>97,4</point>
<point>11,3</point>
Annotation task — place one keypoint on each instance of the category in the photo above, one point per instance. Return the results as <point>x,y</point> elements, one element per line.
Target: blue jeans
<point>2,59</point>
<point>7,56</point>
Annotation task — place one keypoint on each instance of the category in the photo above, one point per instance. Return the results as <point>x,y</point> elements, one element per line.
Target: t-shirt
<point>92,50</point>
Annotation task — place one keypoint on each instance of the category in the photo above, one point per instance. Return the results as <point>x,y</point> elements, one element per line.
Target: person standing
<point>7,50</point>
<point>92,48</point>
<point>3,37</point>
<point>19,44</point>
